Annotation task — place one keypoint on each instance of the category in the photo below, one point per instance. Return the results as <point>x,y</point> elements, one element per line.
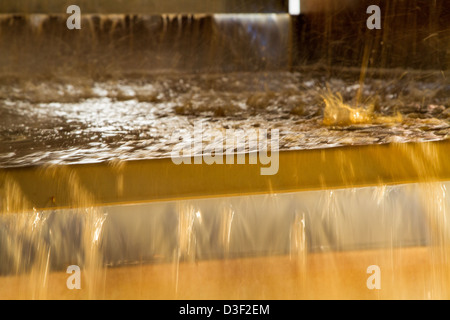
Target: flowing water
<point>315,244</point>
<point>137,83</point>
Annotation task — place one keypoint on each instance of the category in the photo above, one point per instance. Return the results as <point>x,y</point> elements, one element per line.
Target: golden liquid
<point>300,245</point>
<point>311,245</point>
<point>205,261</point>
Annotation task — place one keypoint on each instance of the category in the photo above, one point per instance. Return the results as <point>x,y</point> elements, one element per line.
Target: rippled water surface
<point>80,120</point>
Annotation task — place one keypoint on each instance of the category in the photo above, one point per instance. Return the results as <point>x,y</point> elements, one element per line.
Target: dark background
<point>330,33</point>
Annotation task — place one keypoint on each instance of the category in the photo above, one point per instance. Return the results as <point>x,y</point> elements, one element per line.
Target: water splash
<point>36,244</point>
<point>336,112</point>
<point>339,113</point>
<point>314,244</point>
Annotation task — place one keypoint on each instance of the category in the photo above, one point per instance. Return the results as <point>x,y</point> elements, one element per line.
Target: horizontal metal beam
<point>140,181</point>
<point>146,6</point>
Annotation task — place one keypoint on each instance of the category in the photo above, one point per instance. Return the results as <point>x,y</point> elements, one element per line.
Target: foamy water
<point>82,121</point>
